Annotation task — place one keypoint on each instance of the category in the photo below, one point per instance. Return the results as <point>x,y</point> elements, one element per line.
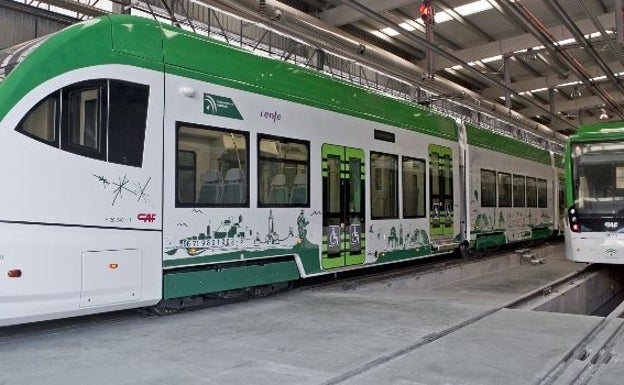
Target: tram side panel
<point>511,198</point>
<point>243,197</point>
<point>81,216</point>
<point>272,189</point>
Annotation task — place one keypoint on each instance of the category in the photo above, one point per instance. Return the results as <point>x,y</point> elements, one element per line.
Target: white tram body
<point>156,166</point>
<point>594,224</point>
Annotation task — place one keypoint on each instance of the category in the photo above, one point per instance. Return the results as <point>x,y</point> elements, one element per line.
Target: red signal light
<point>15,273</point>
<point>426,11</point>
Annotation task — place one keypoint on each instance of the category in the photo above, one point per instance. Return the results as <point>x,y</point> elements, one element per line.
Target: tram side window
<point>488,188</point>
<point>413,188</point>
<point>519,185</point>
<point>186,176</point>
<point>84,106</point>
<point>542,193</point>
<point>42,121</point>
<point>504,189</point>
<point>283,175</point>
<point>102,119</point>
<point>127,120</point>
<point>531,192</point>
<point>221,173</point>
<point>384,189</point>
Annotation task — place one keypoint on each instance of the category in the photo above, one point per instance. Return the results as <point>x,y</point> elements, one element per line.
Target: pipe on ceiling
<point>544,36</point>
<point>589,49</point>
<point>313,31</point>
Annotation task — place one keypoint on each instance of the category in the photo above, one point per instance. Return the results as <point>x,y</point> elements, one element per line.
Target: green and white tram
<point>144,165</point>
<point>595,194</point>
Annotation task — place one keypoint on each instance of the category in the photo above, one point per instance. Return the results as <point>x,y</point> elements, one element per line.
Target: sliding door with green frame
<point>441,191</point>
<point>343,206</point>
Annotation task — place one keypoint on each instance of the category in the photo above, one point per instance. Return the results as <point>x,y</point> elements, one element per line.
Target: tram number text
<point>147,218</point>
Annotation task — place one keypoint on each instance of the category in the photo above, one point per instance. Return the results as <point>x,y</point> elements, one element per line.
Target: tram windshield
<point>598,172</point>
<point>12,56</point>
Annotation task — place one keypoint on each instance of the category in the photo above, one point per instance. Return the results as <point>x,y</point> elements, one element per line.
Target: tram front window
<point>598,172</point>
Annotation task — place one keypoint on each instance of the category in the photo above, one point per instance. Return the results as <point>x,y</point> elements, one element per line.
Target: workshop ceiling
<point>562,54</point>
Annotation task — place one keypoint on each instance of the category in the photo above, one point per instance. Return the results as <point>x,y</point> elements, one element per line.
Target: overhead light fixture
<point>576,92</point>
<point>603,114</point>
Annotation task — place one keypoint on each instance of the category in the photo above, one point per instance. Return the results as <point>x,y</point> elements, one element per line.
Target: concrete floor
<point>373,334</point>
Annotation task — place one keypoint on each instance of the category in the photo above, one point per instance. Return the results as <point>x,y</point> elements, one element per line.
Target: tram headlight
<point>574,225</point>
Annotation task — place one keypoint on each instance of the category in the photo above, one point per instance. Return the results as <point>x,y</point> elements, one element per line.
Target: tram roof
<point>123,39</point>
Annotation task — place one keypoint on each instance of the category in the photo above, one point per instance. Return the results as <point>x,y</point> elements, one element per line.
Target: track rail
<point>515,303</point>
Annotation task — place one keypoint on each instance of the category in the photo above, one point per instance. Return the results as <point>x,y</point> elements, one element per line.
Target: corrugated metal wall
<point>19,23</point>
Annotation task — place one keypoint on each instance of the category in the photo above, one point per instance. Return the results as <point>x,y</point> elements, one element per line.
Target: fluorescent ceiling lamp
<point>407,27</point>
<point>389,31</point>
<point>472,8</point>
<point>491,59</point>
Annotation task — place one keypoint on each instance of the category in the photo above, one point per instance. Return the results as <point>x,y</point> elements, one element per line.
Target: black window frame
<point>133,151</point>
<point>57,120</point>
<point>499,189</point>
<point>530,203</point>
<point>186,168</point>
<point>542,198</point>
<point>62,123</point>
<point>494,198</point>
<point>374,180</point>
<point>424,185</point>
<point>101,85</point>
<point>245,134</point>
<point>513,186</point>
<point>306,143</point>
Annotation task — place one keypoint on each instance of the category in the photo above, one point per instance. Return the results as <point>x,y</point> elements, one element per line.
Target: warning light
<point>15,273</point>
<point>426,10</point>
<point>113,266</point>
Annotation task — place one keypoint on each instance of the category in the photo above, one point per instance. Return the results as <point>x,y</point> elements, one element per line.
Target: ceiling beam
<point>523,41</point>
<point>575,104</point>
<point>547,81</point>
<point>464,22</point>
<point>343,14</point>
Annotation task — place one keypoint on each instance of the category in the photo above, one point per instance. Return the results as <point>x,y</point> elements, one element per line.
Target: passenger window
<point>531,192</point>
<point>542,193</point>
<point>519,186</point>
<point>504,190</point>
<point>186,177</point>
<point>413,188</point>
<point>94,117</point>
<point>283,166</point>
<point>127,120</point>
<point>220,171</point>
<point>42,121</point>
<point>384,189</point>
<point>488,188</point>
<point>84,117</point>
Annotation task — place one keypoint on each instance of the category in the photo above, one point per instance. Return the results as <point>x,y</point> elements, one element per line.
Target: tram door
<point>441,191</point>
<point>343,206</point>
